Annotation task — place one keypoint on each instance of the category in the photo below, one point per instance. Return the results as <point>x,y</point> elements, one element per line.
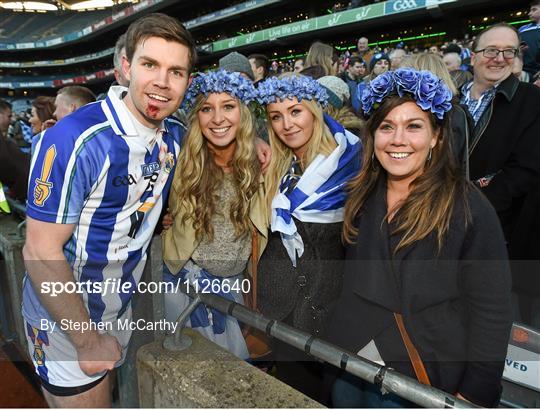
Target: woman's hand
<point>167,221</point>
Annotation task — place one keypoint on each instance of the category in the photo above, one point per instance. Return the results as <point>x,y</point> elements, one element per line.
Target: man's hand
<point>99,353</point>
<point>264,154</point>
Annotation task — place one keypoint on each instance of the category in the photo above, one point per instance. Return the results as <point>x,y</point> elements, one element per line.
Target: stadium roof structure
<point>52,5</point>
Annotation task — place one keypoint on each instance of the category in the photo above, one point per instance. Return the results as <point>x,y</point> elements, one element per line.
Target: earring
<point>429,155</point>
<point>373,165</point>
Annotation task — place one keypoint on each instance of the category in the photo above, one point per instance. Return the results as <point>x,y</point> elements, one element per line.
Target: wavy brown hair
<point>197,179</point>
<point>432,197</point>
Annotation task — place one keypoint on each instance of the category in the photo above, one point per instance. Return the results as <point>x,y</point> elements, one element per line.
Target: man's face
<point>356,70</point>
<point>534,14</point>
<point>5,119</point>
<point>362,44</point>
<point>380,67</point>
<point>494,70</point>
<point>434,50</point>
<point>63,106</point>
<point>158,76</point>
<point>257,71</point>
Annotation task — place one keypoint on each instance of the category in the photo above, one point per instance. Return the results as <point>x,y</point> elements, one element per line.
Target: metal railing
<point>386,378</point>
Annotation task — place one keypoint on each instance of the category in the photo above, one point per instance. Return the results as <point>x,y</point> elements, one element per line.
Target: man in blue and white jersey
<point>530,35</point>
<point>96,190</point>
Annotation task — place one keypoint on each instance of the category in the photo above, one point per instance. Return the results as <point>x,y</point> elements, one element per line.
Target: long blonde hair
<point>321,142</point>
<point>197,178</point>
<point>323,55</point>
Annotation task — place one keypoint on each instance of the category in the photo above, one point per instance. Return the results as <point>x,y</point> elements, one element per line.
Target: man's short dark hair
<point>117,57</point>
<point>162,26</point>
<point>4,105</point>
<point>260,61</point>
<point>354,60</point>
<point>78,94</point>
<point>498,25</point>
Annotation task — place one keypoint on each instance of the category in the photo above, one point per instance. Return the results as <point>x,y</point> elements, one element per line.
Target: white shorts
<point>55,357</point>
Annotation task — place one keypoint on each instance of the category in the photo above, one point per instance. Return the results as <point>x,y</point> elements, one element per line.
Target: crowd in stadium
<point>376,195</point>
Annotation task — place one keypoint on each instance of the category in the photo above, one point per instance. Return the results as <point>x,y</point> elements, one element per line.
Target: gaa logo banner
<point>399,6</point>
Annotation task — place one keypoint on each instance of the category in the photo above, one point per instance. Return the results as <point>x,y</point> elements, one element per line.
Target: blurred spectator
<point>314,71</point>
<point>434,50</point>
<point>396,58</point>
<point>42,110</point>
<point>453,64</point>
<point>323,55</point>
<point>5,117</point>
<point>536,79</point>
<point>530,37</point>
<point>260,66</point>
<point>364,51</point>
<point>380,63</point>
<point>299,64</point>
<point>353,75</point>
<point>119,53</point>
<point>339,106</point>
<point>237,63</point>
<point>71,98</point>
<point>518,71</point>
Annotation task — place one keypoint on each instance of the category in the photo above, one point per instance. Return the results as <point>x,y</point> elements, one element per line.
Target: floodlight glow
<point>29,5</point>
<point>92,4</point>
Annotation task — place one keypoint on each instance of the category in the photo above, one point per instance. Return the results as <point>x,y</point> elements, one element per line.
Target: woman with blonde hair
<point>217,204</point>
<point>313,158</point>
<point>427,284</point>
<point>324,56</point>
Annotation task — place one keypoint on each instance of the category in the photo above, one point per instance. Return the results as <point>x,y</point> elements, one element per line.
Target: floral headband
<point>220,81</point>
<point>274,89</point>
<point>428,90</point>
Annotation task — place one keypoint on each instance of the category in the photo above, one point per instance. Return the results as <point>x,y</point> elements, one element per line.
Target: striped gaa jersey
<point>95,170</point>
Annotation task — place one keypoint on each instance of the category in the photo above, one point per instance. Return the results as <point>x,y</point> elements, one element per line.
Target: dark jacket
<point>455,303</point>
<point>14,168</point>
<point>506,143</point>
<point>462,125</point>
<point>305,295</point>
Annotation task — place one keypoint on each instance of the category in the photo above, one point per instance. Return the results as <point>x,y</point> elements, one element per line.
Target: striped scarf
<point>318,195</point>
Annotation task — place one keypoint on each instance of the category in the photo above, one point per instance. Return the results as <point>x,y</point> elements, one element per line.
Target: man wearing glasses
<point>504,149</point>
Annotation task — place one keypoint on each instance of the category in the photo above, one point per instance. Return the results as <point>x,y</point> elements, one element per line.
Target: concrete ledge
<point>204,375</point>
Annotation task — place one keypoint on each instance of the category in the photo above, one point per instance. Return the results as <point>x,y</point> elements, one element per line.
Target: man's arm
<point>45,262</point>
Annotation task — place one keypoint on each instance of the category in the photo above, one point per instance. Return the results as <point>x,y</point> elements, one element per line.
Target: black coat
<point>506,142</point>
<point>14,168</point>
<point>304,295</point>
<point>455,304</point>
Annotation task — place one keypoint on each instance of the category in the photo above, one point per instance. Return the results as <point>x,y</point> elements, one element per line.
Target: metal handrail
<point>386,378</point>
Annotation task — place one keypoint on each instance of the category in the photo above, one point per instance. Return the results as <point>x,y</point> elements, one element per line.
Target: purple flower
<point>406,81</point>
<point>442,101</point>
<point>427,87</point>
<point>367,100</point>
<point>382,86</point>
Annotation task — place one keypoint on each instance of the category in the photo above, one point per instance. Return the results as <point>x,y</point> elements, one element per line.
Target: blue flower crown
<point>300,86</point>
<point>220,81</point>
<point>428,90</point>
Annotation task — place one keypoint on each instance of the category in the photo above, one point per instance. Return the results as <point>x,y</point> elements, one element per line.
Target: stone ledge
<point>205,375</point>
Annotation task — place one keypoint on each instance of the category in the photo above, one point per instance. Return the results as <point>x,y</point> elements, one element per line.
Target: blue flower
<point>382,86</point>
<point>428,84</point>
<point>274,89</point>
<point>220,81</point>
<point>429,92</point>
<point>406,81</point>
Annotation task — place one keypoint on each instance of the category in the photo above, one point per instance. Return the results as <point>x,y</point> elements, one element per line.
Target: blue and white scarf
<point>319,195</point>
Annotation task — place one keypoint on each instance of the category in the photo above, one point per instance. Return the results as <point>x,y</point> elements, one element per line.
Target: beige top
<point>225,255</point>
